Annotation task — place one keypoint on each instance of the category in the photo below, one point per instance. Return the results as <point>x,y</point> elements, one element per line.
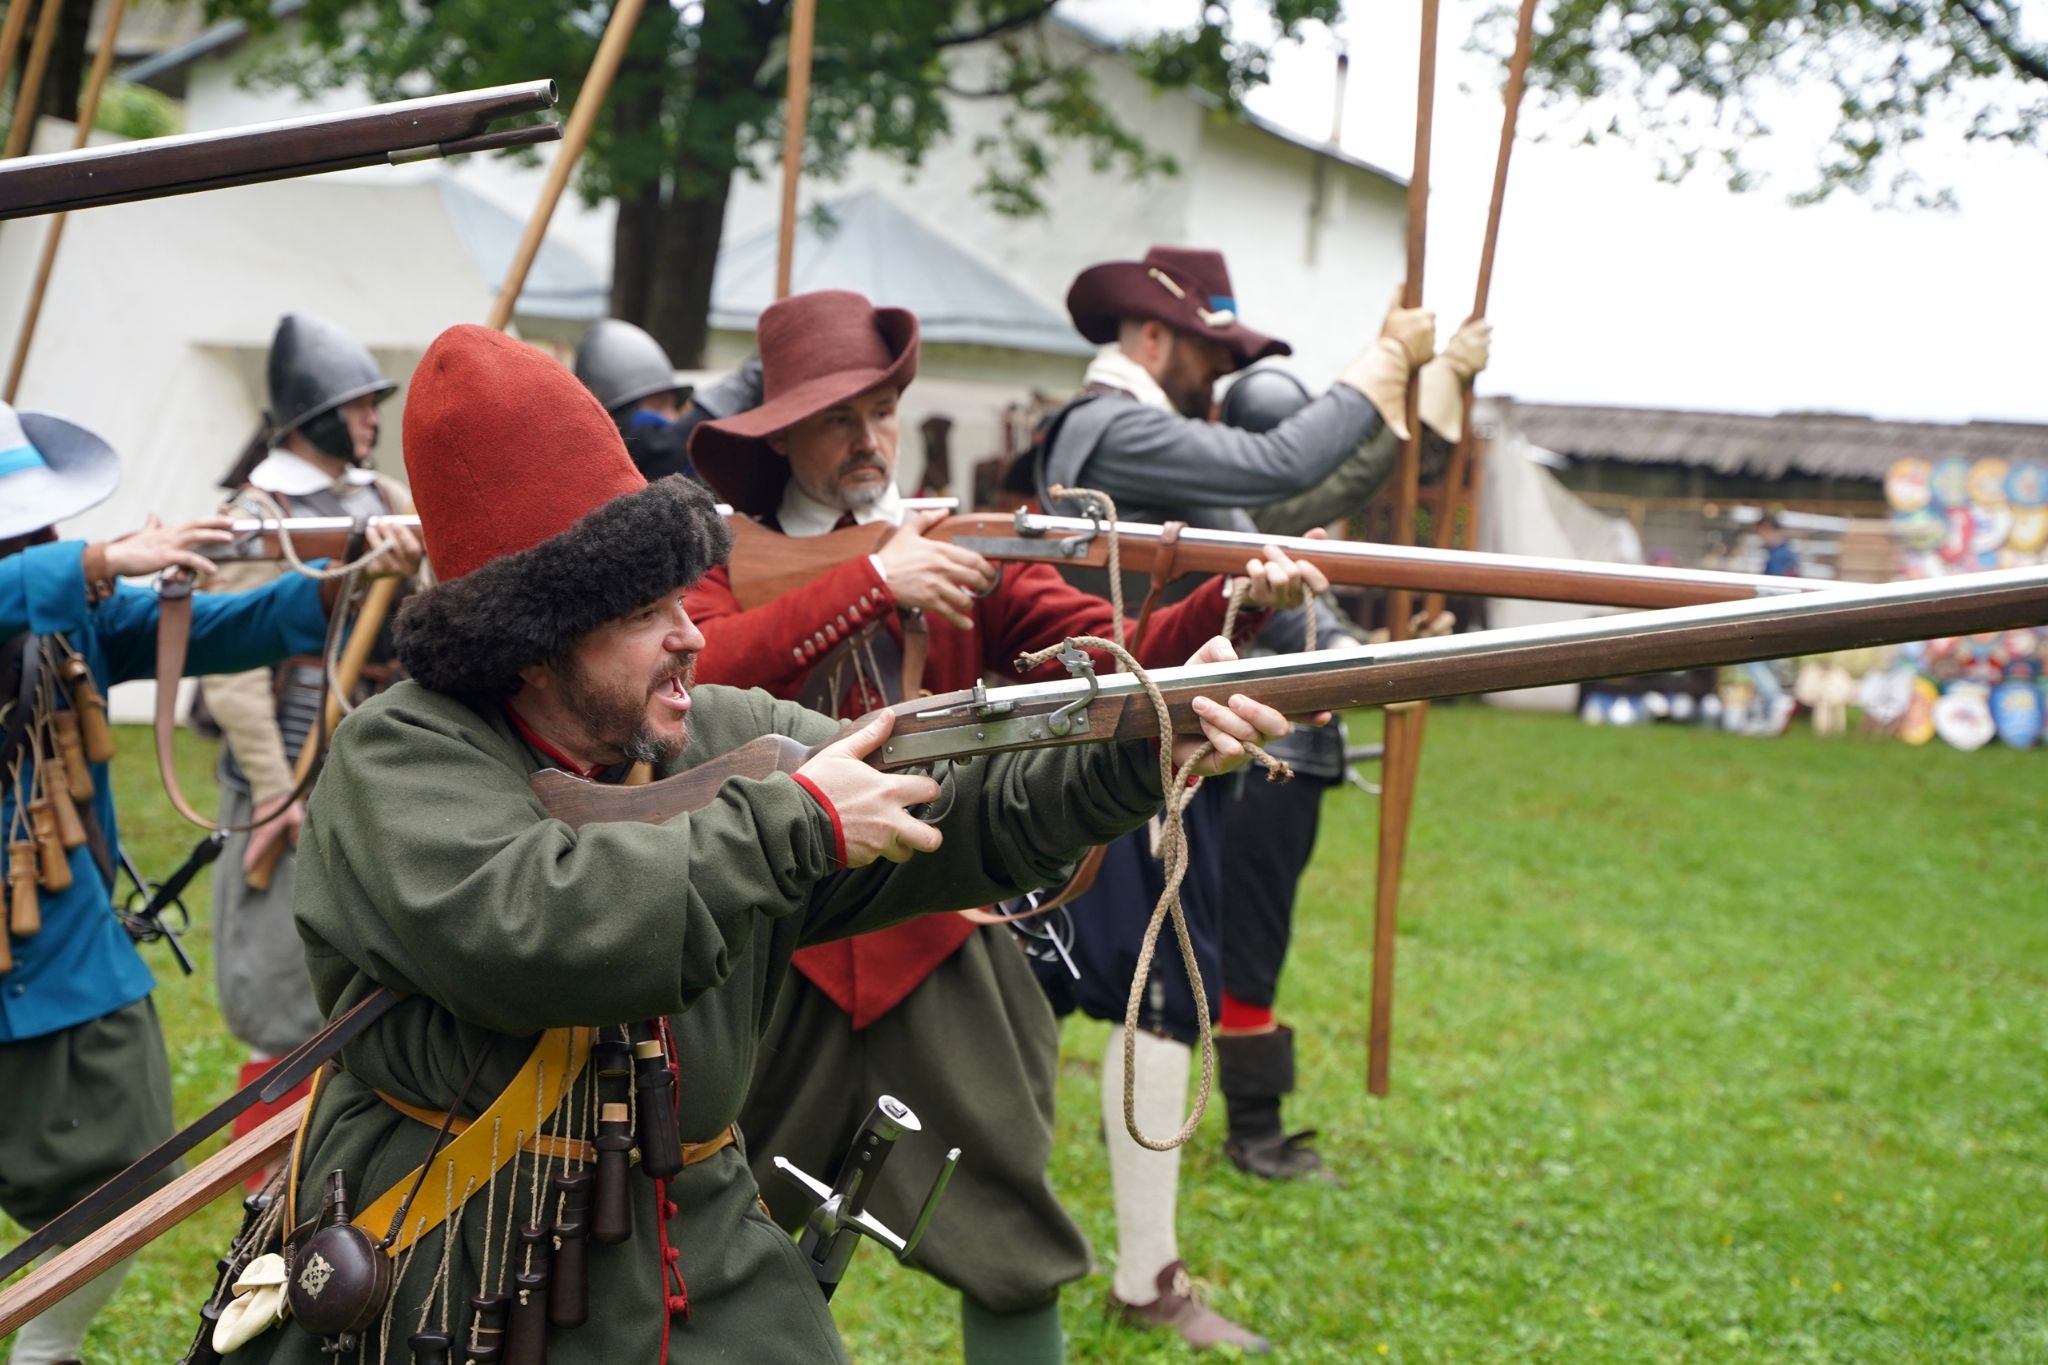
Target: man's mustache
<point>862,462</point>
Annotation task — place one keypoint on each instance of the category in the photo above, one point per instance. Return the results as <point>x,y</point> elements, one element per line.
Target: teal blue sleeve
<point>42,589</point>
<point>230,631</point>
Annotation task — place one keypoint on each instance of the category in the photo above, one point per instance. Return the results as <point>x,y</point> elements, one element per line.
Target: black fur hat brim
<point>472,636</point>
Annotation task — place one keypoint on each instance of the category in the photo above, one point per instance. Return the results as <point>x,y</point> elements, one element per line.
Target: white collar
<point>1112,367</point>
<point>296,476</point>
<point>803,515</point>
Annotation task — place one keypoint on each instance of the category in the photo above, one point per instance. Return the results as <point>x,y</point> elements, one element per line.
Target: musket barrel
<point>434,125</point>
<point>1114,707</point>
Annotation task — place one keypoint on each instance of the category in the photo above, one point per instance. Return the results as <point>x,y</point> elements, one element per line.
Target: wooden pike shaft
<point>597,83</point>
<point>25,118</point>
<point>88,112</point>
<point>803,26</point>
<point>1461,457</point>
<point>11,30</point>
<point>1404,736</point>
<point>84,1260</point>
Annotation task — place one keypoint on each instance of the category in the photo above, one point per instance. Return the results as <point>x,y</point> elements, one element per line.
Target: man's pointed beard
<point>617,717</point>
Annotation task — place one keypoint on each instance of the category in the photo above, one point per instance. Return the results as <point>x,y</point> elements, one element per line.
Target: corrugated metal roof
<point>886,253</point>
<point>1818,445</point>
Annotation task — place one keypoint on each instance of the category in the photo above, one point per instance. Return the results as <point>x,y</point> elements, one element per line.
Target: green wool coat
<point>426,865</point>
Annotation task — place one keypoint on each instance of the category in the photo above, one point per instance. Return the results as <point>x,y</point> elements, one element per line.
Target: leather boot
<point>1199,1325</point>
<point>1255,1070</point>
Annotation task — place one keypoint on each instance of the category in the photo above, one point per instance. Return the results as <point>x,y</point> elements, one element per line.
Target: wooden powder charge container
<point>487,1314</point>
<point>91,708</point>
<point>57,786</point>
<point>660,1138</point>
<point>72,750</point>
<point>526,1341</point>
<point>56,868</point>
<point>611,1213</point>
<point>569,1291</point>
<point>24,910</point>
<point>430,1348</point>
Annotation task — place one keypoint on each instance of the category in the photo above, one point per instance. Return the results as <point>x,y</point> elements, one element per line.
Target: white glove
<point>1449,374</point>
<point>1407,338</point>
<point>258,1304</point>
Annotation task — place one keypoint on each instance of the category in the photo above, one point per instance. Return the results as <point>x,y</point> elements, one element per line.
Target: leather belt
<point>574,1149</point>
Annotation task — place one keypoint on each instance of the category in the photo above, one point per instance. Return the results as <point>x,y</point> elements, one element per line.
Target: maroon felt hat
<point>817,349</point>
<point>1186,288</point>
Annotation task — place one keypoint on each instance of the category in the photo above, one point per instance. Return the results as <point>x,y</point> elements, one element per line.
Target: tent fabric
<point>1524,510</point>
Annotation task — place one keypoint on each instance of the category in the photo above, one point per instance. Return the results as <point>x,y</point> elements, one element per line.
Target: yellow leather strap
<point>474,1154</point>
<point>547,1144</point>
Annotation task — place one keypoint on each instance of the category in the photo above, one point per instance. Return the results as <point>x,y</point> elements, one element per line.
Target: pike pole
<point>1404,724</point>
<point>803,27</point>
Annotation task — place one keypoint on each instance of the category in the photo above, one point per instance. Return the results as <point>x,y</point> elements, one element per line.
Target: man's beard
<point>860,495</point>
<point>616,717</point>
<point>1191,395</point>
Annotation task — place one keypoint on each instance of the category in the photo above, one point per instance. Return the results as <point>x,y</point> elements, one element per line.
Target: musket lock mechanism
<point>831,1232</point>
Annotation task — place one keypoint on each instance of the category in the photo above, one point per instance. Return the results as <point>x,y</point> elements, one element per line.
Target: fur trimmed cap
<point>538,526</point>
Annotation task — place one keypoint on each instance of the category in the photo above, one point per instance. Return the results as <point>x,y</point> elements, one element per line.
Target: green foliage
<point>1705,1049</point>
<point>137,111</point>
<point>701,94</point>
<point>1692,78</point>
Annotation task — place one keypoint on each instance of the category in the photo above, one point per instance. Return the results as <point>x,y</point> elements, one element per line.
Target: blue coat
<point>83,965</point>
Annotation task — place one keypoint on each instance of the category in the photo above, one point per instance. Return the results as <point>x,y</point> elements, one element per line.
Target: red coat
<point>773,646</point>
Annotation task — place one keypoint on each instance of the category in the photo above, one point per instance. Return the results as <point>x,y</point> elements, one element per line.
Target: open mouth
<point>673,695</point>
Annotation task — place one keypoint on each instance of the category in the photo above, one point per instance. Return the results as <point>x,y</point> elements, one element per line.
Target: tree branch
<point>2032,64</point>
<point>996,28</point>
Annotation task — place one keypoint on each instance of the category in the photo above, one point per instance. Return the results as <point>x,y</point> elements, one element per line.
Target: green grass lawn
<point>1705,1049</point>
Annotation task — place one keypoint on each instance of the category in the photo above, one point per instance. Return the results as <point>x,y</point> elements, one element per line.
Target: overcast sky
<point>1610,287</point>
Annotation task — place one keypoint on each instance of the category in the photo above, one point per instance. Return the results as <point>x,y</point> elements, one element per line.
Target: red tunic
<point>773,646</point>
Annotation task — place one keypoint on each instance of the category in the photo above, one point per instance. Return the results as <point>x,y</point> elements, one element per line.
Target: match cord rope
<point>1173,853</point>
<point>449,1236</point>
<point>1095,498</point>
<point>405,1261</point>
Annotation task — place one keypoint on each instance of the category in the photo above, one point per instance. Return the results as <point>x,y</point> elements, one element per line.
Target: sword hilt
<point>832,1231</point>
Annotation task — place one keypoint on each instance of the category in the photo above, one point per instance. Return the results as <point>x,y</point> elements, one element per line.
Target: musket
<point>1084,708</point>
<point>766,563</point>
<point>384,134</point>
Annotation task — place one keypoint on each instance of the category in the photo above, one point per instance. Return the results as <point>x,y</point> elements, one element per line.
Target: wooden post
<point>803,26</point>
<point>11,30</point>
<point>25,119</point>
<point>597,82</point>
<point>1459,473</point>
<point>88,111</point>
<point>1404,726</point>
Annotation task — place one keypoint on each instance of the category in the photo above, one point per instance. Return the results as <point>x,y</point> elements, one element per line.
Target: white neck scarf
<point>295,476</point>
<point>1112,367</point>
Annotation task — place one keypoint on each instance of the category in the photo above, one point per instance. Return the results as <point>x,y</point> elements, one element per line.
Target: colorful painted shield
<point>1987,481</point>
<point>2027,484</point>
<point>1918,725</point>
<point>1950,482</point>
<point>1905,484</point>
<point>2016,711</point>
<point>1962,717</point>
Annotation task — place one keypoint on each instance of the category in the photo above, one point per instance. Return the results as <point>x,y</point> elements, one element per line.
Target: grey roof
<point>878,249</point>
<point>562,283</point>
<point>1817,445</point>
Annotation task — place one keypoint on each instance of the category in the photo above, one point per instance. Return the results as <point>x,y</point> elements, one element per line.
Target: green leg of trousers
<point>1029,1337</point>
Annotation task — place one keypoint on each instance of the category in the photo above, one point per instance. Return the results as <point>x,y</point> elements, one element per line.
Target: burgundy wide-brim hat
<point>1186,288</point>
<point>817,350</point>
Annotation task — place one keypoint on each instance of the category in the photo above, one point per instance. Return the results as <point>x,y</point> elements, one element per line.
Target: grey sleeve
<point>1147,456</point>
<point>1353,484</point>
<point>1285,632</point>
<point>738,392</point>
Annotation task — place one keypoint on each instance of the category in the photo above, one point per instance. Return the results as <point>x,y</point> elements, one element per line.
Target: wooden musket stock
<point>963,725</point>
<point>385,134</point>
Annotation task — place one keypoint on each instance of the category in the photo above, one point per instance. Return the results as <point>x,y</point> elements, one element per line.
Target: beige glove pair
<point>1407,339</point>
<point>1448,376</point>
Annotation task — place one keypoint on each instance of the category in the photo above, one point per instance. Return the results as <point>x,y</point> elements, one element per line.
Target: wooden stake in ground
<point>597,83</point>
<point>803,24</point>
<point>1404,726</point>
<point>25,103</point>
<point>88,112</point>
<point>1461,457</point>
